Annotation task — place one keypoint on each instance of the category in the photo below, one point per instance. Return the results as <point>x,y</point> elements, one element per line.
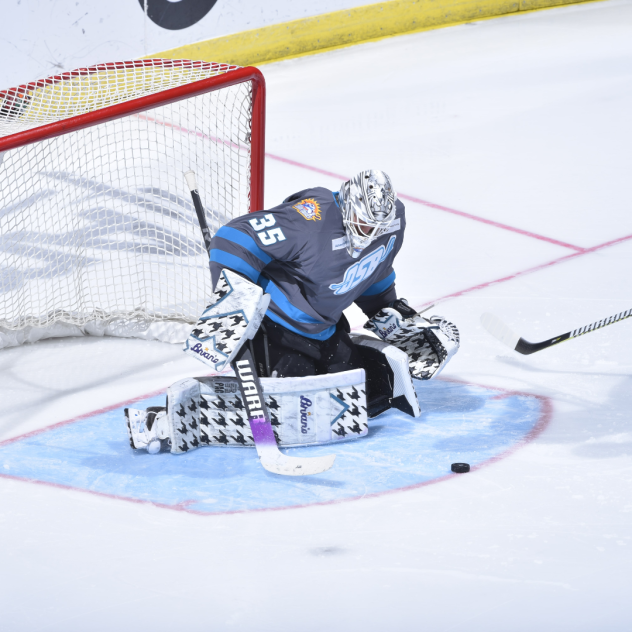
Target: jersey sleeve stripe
<point>284,304</point>
<point>323,335</point>
<point>380,286</point>
<point>245,241</point>
<point>234,263</point>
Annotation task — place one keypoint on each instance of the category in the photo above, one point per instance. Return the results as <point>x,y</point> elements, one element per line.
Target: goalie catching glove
<point>428,342</point>
<point>232,317</point>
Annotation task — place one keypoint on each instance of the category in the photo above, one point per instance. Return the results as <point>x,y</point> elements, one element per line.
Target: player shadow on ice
<point>605,429</point>
<point>446,397</point>
<point>527,365</point>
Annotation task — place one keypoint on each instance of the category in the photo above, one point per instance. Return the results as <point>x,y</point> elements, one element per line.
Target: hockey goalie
<point>282,278</point>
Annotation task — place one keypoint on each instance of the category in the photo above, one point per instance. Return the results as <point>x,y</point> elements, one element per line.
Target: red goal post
<point>97,230</point>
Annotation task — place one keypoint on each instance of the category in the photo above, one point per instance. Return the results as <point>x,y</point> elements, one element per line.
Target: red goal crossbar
<point>9,99</point>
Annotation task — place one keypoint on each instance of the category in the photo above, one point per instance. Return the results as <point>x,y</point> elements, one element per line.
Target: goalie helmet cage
<point>97,230</point>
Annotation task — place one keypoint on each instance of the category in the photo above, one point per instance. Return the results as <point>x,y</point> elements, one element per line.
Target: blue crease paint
<point>460,422</point>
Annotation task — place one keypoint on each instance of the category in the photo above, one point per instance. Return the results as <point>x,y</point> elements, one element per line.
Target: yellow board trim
<point>339,29</point>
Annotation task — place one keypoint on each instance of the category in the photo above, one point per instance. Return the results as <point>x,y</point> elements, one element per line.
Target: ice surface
<point>523,121</point>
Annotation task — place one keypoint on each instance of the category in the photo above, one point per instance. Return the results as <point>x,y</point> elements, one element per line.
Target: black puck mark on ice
<point>176,15</point>
<point>460,468</point>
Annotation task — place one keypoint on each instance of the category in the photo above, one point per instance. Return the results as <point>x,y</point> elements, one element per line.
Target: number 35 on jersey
<point>267,235</point>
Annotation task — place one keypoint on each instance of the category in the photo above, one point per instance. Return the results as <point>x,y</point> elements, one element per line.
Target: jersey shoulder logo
<point>363,269</point>
<point>309,209</point>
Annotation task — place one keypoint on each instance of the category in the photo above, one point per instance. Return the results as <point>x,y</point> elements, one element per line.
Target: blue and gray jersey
<point>297,252</point>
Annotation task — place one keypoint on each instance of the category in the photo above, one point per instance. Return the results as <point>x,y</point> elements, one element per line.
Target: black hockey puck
<point>460,468</point>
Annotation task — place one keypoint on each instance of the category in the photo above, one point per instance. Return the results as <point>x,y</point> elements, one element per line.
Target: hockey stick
<point>270,456</point>
<point>189,176</point>
<point>499,330</point>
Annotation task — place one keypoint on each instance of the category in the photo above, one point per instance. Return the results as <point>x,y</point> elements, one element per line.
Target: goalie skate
<point>148,429</point>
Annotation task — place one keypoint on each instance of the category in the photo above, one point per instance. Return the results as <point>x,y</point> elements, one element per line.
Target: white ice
<point>523,120</point>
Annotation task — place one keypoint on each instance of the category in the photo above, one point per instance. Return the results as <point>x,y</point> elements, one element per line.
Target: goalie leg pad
<point>209,411</point>
<point>388,377</point>
<point>232,317</point>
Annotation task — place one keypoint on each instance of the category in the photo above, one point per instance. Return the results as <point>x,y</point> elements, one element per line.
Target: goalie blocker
<point>232,317</point>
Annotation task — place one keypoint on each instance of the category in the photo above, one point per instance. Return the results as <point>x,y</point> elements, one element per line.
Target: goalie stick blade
<point>494,326</point>
<point>276,462</point>
<point>272,459</point>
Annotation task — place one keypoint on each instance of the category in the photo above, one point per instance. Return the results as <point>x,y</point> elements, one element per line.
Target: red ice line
<point>578,251</point>
<point>439,207</point>
<point>545,417</point>
<point>482,286</point>
<point>446,209</point>
<point>535,431</point>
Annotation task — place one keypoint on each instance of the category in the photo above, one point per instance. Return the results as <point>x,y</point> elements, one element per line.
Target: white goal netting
<point>97,230</point>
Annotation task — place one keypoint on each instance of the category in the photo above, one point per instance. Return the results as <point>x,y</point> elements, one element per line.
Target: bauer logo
<point>204,353</point>
<point>309,209</point>
<point>363,269</point>
<point>305,407</point>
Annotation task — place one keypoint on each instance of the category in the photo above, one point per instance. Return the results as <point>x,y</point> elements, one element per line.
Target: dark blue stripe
<point>246,241</point>
<point>234,263</point>
<point>323,335</point>
<point>380,286</point>
<point>284,304</point>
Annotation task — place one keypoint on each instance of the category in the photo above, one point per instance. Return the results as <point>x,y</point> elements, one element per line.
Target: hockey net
<point>97,230</point>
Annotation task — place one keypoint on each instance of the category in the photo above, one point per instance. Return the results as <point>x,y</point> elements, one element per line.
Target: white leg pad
<point>303,410</point>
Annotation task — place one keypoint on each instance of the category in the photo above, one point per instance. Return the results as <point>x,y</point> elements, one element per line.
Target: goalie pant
<point>210,411</point>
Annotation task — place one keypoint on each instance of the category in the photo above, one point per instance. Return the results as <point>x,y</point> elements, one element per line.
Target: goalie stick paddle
<point>499,330</point>
<point>270,456</point>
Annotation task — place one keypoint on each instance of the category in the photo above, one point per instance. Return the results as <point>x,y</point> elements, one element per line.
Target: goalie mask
<point>367,202</point>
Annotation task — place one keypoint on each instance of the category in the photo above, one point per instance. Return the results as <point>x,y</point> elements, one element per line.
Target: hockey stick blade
<point>270,456</point>
<point>494,326</point>
<point>499,330</point>
<point>276,462</point>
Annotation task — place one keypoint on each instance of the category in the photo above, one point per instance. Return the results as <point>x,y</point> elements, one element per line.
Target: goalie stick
<point>189,176</point>
<point>499,330</point>
<point>272,459</point>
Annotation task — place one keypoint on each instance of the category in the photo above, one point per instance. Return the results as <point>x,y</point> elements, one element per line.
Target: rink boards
<point>461,422</point>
